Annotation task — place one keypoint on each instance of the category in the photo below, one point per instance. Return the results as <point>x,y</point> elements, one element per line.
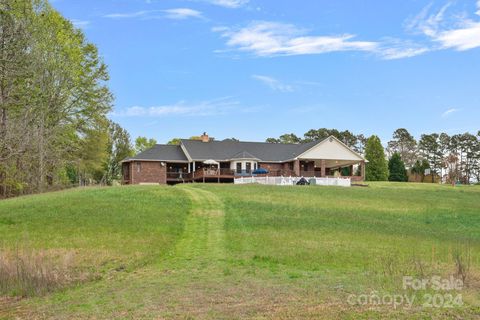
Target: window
<point>239,167</point>
<point>249,167</point>
<point>139,166</point>
<point>255,166</point>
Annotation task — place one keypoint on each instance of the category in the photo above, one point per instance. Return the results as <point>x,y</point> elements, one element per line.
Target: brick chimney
<point>205,137</point>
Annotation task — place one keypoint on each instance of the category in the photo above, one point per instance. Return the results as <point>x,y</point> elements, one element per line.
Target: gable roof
<point>229,149</point>
<point>322,151</point>
<point>243,155</point>
<point>161,152</point>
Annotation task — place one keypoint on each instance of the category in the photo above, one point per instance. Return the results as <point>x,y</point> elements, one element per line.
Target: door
<point>248,167</point>
<point>239,167</point>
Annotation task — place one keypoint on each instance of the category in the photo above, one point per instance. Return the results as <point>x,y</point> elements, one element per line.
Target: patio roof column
<point>296,167</point>
<point>362,166</point>
<point>323,170</point>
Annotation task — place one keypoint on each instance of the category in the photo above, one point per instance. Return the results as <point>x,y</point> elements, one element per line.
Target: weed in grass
<point>462,258</point>
<point>27,272</point>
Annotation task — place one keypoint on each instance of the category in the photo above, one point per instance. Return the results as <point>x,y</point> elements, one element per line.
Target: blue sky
<point>254,69</point>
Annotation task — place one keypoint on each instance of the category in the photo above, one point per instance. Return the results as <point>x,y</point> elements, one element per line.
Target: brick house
<point>221,161</point>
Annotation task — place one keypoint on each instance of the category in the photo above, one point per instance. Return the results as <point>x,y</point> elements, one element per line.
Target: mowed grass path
<point>228,252</point>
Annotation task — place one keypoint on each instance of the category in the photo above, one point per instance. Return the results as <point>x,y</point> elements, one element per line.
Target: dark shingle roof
<point>227,149</point>
<point>161,152</point>
<point>243,155</point>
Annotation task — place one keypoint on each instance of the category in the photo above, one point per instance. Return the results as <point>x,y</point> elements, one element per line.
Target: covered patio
<point>331,168</point>
<point>330,158</point>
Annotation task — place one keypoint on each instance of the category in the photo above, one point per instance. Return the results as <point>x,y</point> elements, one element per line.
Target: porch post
<point>189,167</point>
<point>296,167</point>
<point>323,170</point>
<point>362,166</point>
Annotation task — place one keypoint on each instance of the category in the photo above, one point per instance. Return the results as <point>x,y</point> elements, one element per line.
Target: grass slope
<point>225,251</point>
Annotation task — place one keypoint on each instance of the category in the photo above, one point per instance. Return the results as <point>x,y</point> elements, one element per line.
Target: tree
<point>93,154</point>
<point>451,163</point>
<point>419,168</point>
<point>360,144</point>
<point>119,148</point>
<point>319,134</point>
<point>174,141</point>
<point>53,96</point>
<point>377,168</point>
<point>405,145</point>
<point>396,169</point>
<point>272,140</point>
<point>289,138</point>
<point>142,144</point>
<point>430,148</point>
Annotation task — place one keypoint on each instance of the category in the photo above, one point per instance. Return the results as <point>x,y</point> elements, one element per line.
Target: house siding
<point>149,172</point>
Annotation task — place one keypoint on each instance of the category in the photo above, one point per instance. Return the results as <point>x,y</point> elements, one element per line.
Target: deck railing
<point>178,175</point>
<point>213,172</point>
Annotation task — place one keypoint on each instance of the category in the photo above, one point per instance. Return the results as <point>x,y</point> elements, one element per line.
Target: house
<point>207,160</point>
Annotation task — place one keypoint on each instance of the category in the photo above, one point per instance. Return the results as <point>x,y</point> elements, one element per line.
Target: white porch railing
<point>290,181</point>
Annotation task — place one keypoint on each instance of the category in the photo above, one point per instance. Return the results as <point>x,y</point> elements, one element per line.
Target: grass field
<point>231,252</point>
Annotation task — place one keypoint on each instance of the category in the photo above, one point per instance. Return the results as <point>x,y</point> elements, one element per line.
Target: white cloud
<point>204,108</point>
<point>80,23</point>
<point>400,53</point>
<point>399,49</point>
<point>449,32</point>
<point>127,15</point>
<point>182,13</point>
<point>272,38</point>
<point>175,13</point>
<point>465,38</point>
<point>449,112</point>
<point>478,7</point>
<point>273,83</point>
<point>229,3</point>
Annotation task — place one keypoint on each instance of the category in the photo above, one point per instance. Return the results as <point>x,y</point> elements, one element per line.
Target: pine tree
<point>396,169</point>
<point>377,169</point>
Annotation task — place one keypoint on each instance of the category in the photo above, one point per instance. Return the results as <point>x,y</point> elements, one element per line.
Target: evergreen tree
<point>396,169</point>
<point>377,168</point>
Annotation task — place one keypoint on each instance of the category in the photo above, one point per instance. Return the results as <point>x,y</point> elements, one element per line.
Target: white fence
<point>290,181</point>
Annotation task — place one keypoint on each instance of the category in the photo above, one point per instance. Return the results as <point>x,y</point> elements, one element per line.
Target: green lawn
<point>224,251</point>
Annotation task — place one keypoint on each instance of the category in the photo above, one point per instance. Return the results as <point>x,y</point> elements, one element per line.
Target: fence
<point>290,181</point>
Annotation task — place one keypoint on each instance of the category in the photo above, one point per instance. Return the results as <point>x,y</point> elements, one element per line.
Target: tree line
<point>54,101</point>
<point>453,158</point>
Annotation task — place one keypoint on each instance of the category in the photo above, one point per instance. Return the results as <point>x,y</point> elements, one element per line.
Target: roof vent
<point>205,137</point>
